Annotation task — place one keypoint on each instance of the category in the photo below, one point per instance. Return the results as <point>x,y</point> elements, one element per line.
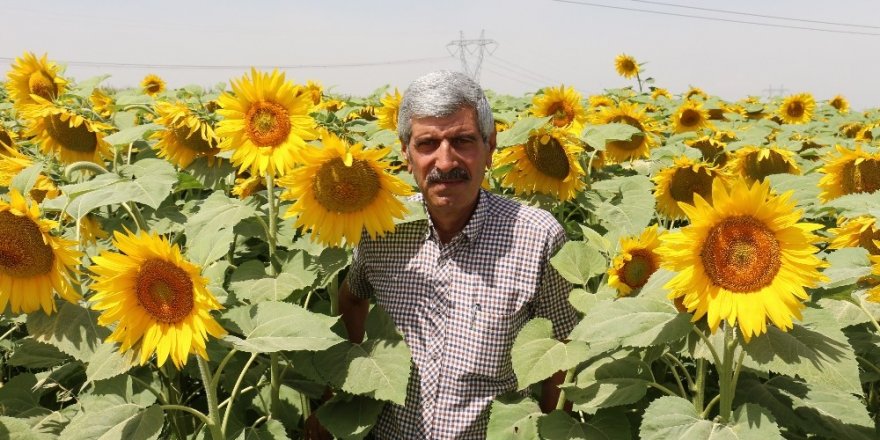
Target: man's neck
<point>449,223</point>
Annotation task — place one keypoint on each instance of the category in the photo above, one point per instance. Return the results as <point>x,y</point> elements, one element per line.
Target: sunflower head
<point>636,262</point>
<point>157,300</point>
<point>247,186</point>
<point>695,92</point>
<point>640,143</point>
<point>387,114</point>
<point>797,109</point>
<point>152,85</point>
<point>103,103</point>
<point>33,262</point>
<point>187,135</point>
<point>7,140</point>
<point>563,105</point>
<point>12,163</point>
<point>856,232</point>
<point>874,293</point>
<point>314,90</point>
<point>70,136</point>
<point>840,103</point>
<point>690,116</point>
<point>681,182</point>
<point>626,66</point>
<point>849,172</point>
<point>711,148</point>
<point>598,102</point>
<point>546,163</point>
<point>660,92</point>
<point>755,163</point>
<point>342,190</point>
<point>265,123</point>
<point>34,76</point>
<point>744,258</point>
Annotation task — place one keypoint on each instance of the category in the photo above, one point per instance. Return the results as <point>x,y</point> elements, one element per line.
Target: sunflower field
<point>170,260</point>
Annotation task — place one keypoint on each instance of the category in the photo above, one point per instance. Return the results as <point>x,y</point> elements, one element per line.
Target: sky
<point>355,47</point>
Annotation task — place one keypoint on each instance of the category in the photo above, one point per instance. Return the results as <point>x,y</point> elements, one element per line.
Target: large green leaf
<point>674,418</point>
<point>536,355</point>
<point>847,266</point>
<point>84,88</point>
<point>26,179</point>
<point>597,136</point>
<point>251,283</point>
<point>514,419</point>
<point>630,209</point>
<point>271,430</point>
<point>815,350</point>
<point>122,422</point>
<point>131,134</point>
<point>349,417</point>
<point>33,354</point>
<point>604,425</point>
<point>578,261</point>
<point>273,326</point>
<point>378,368</point>
<point>73,330</point>
<point>209,231</point>
<point>108,362</point>
<point>519,133</point>
<point>805,188</point>
<point>147,181</point>
<point>609,382</point>
<point>12,428</point>
<point>18,395</point>
<point>633,322</point>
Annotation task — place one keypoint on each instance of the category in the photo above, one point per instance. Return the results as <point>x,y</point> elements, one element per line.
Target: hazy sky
<point>540,42</point>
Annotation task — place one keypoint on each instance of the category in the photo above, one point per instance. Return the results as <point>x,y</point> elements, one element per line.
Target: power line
<point>531,73</point>
<point>776,17</point>
<point>463,47</point>
<point>238,66</point>
<point>521,81</point>
<point>717,19</point>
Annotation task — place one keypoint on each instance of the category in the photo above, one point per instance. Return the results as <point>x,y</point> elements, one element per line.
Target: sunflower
<point>365,112</point>
<point>33,262</point>
<point>852,171</point>
<point>102,103</point>
<point>247,186</point>
<point>341,190</point>
<point>157,300</point>
<point>186,135</point>
<point>598,102</point>
<point>12,162</point>
<point>690,116</point>
<point>547,163</point>
<point>313,90</point>
<point>32,76</point>
<point>640,144</point>
<point>265,123</point>
<point>152,85</point>
<point>856,232</point>
<point>744,258</point>
<point>840,103</point>
<point>756,163</point>
<point>867,132</point>
<point>694,92</point>
<point>712,148</point>
<point>659,92</point>
<point>563,105</point>
<point>388,112</point>
<point>7,140</point>
<point>626,66</point>
<point>797,109</point>
<point>72,137</point>
<point>851,129</point>
<point>636,262</point>
<point>680,182</point>
<point>90,230</point>
<point>332,105</point>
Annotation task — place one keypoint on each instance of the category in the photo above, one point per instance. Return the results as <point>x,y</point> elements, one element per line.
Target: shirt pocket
<point>489,337</point>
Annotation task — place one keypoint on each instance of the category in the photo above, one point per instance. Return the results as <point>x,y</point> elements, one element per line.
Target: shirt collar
<point>474,225</point>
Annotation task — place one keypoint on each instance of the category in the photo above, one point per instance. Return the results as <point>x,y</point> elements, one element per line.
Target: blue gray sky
<point>354,47</point>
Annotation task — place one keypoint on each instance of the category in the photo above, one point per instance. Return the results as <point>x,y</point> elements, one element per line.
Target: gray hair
<point>440,94</point>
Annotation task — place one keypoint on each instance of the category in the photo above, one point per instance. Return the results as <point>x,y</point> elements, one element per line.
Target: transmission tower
<point>474,49</point>
<point>780,91</point>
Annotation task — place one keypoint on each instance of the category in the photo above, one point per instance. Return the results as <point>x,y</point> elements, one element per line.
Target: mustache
<point>453,175</point>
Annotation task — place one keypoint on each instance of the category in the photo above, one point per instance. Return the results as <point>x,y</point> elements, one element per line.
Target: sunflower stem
<point>700,385</point>
<point>273,222</point>
<point>215,380</point>
<point>569,375</point>
<point>275,385</point>
<point>869,315</point>
<point>84,165</point>
<point>333,294</point>
<point>213,419</point>
<point>725,375</point>
<point>235,391</point>
<point>199,415</point>
<point>675,374</point>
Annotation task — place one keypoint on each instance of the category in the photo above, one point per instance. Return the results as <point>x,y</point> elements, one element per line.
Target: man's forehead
<point>462,120</point>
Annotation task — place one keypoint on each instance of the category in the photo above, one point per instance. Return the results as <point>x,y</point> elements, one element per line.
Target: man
<point>461,284</point>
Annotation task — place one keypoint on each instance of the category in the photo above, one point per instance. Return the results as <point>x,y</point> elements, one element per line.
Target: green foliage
<point>676,418</point>
<point>265,328</point>
<point>537,355</point>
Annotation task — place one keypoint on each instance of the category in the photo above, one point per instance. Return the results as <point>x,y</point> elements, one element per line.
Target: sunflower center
<point>795,109</point>
<point>41,84</point>
<point>164,290</point>
<point>628,66</point>
<point>268,123</point>
<point>548,156</point>
<point>861,177</point>
<point>191,141</point>
<point>72,138</point>
<point>757,168</point>
<point>153,87</point>
<point>866,240</point>
<point>342,188</point>
<point>690,118</point>
<point>686,182</point>
<point>23,253</point>
<point>636,140</point>
<point>5,139</point>
<point>635,272</point>
<point>562,116</point>
<point>741,254</point>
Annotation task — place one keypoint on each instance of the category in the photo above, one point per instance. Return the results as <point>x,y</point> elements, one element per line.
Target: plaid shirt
<point>460,306</point>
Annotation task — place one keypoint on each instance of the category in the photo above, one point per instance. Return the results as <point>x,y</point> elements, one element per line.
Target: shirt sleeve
<point>551,300</point>
<point>358,282</point>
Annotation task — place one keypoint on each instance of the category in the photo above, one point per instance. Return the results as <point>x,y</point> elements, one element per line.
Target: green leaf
<point>854,205</point>
<point>107,362</point>
<point>605,425</point>
<point>815,350</point>
<point>209,231</point>
<point>349,417</point>
<point>12,428</point>
<point>271,289</point>
<point>131,134</point>
<point>151,184</point>
<point>633,322</point>
<point>20,395</point>
<point>519,133</point>
<point>514,420</point>
<point>536,355</point>
<point>124,388</point>
<point>847,266</point>
<point>578,261</point>
<point>630,209</point>
<point>844,312</point>
<point>379,325</point>
<point>27,178</point>
<point>377,368</point>
<point>84,88</point>
<point>291,410</point>
<point>597,136</point>
<point>73,330</point>
<point>273,326</point>
<point>582,300</point>
<point>805,188</point>
<point>608,382</point>
<point>271,430</point>
<point>123,422</point>
<point>31,353</point>
<point>670,418</point>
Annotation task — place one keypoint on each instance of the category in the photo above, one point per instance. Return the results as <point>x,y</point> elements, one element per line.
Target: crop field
<point>170,259</point>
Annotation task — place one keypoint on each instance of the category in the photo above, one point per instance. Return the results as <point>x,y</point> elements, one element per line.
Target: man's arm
<point>354,312</point>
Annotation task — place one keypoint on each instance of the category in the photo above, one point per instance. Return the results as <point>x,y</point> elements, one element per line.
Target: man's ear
<point>406,158</point>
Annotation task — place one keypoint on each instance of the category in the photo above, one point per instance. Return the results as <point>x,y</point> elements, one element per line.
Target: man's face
<point>448,158</point>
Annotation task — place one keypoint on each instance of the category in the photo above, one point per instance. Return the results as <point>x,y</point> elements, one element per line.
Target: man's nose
<point>446,157</point>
